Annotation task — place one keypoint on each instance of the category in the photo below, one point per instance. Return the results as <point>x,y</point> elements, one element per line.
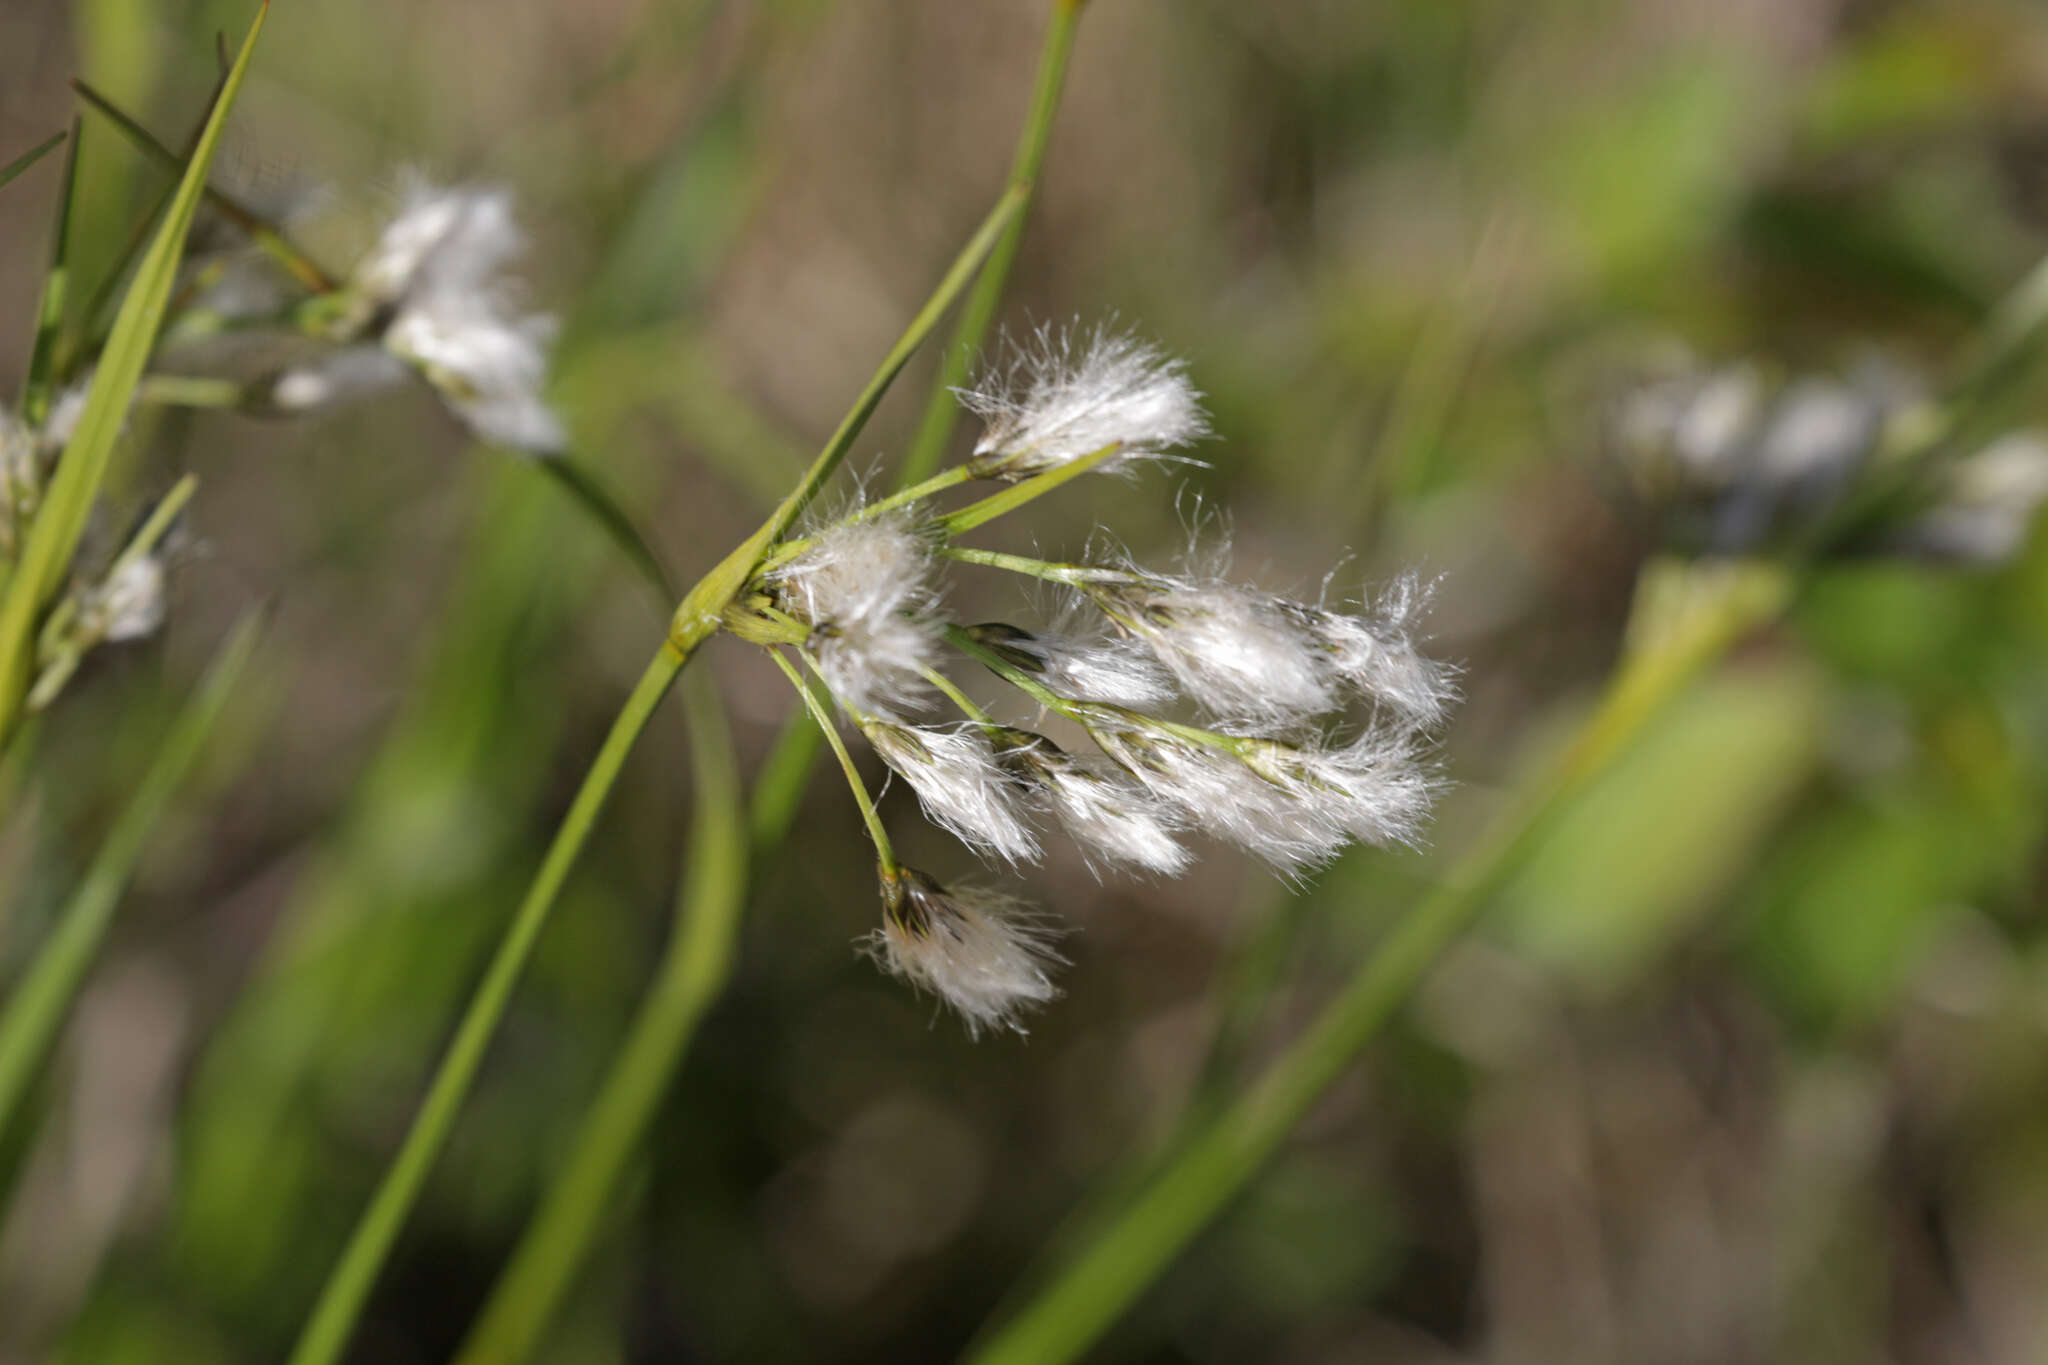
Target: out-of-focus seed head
<point>1064,395</point>
<point>981,953</point>
<point>128,604</point>
<point>437,277</point>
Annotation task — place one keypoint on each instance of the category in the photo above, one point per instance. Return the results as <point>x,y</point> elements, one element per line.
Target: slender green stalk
<point>83,467</point>
<point>885,852</point>
<point>960,699</point>
<point>707,602</point>
<point>700,616</point>
<point>38,1005</point>
<point>689,978</point>
<point>780,782</point>
<point>1021,492</point>
<point>348,1286</point>
<point>1096,1286</point>
<point>928,447</point>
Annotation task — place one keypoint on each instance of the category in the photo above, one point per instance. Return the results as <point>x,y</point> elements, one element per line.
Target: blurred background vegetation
<point>1750,1063</point>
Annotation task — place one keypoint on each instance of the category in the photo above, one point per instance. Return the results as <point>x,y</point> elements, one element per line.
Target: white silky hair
<point>962,785</point>
<point>1065,394</point>
<point>865,588</point>
<point>982,953</point>
<point>441,267</point>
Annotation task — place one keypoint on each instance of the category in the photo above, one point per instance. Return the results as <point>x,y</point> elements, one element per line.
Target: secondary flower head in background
<point>437,294</point>
<point>1732,464</point>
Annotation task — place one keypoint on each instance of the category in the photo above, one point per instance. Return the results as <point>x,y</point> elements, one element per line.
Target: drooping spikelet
<point>961,785</point>
<point>980,952</point>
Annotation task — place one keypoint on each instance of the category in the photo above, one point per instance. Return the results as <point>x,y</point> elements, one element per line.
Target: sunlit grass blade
<point>37,1006</point>
<point>51,542</point>
<point>260,230</point>
<point>31,156</point>
<point>1097,1285</point>
<point>35,391</point>
<point>978,312</point>
<point>691,975</point>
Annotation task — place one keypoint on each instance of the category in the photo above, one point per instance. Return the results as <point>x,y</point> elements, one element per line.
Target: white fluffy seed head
<point>1373,655</point>
<point>962,785</point>
<point>983,954</point>
<point>1119,671</point>
<point>1064,395</point>
<point>1987,504</point>
<point>128,604</point>
<point>439,270</point>
<point>865,590</point>
<point>1296,806</point>
<point>1112,818</point>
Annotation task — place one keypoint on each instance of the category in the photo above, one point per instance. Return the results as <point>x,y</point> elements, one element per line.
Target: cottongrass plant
<point>1270,759</point>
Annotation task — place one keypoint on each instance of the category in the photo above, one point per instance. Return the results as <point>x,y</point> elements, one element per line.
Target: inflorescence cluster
<point>1207,707</point>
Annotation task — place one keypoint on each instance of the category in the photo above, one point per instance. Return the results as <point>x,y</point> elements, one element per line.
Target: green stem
<point>1097,1285</point>
<point>1016,495</point>
<point>942,410</point>
<point>1074,575</point>
<point>885,852</point>
<point>956,696</point>
<point>707,602</point>
<point>348,1286</point>
<point>38,1005</point>
<point>692,972</point>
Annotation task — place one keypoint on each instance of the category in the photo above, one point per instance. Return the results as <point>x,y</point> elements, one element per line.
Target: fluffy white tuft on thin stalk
<point>1112,818</point>
<point>864,588</point>
<point>961,784</point>
<point>1238,652</point>
<point>440,271</point>
<point>1064,395</point>
<point>1120,671</point>
<point>1374,655</point>
<point>128,605</point>
<point>981,953</point>
<point>1296,806</point>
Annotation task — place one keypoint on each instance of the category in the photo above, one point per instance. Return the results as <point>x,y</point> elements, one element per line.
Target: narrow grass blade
<point>32,156</point>
<point>690,977</point>
<point>979,311</point>
<point>261,231</point>
<point>54,537</point>
<point>1098,1284</point>
<point>595,501</point>
<point>35,393</point>
<point>37,1007</point>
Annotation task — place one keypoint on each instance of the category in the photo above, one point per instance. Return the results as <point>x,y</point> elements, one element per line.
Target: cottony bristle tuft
<point>864,588</point>
<point>981,953</point>
<point>962,786</point>
<point>1064,395</point>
